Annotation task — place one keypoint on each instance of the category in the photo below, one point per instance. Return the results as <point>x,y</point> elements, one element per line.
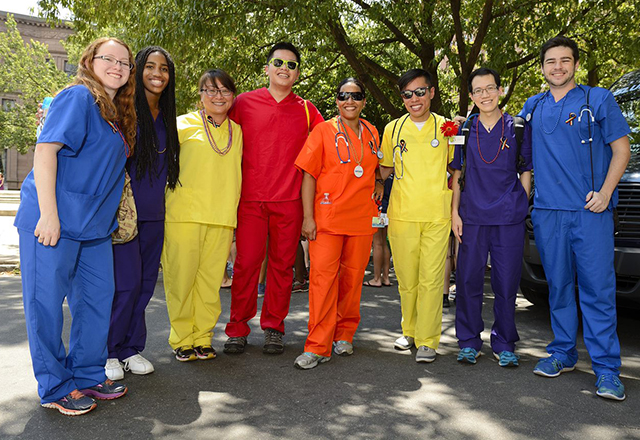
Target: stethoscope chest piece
<point>380,154</point>
<point>435,143</point>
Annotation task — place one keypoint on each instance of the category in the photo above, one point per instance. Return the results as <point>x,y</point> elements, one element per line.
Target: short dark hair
<point>412,74</point>
<point>560,41</point>
<point>283,46</point>
<point>484,71</point>
<point>219,74</point>
<point>353,80</point>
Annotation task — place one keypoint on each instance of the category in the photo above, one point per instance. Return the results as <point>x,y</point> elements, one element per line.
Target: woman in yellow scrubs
<point>201,217</point>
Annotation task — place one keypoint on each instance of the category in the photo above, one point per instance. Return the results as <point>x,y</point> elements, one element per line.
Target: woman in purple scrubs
<point>154,164</point>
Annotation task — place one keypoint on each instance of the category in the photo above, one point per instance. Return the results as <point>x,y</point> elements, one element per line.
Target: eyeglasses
<point>112,60</point>
<point>213,92</point>
<point>420,92</point>
<point>277,62</point>
<point>344,96</point>
<point>491,90</point>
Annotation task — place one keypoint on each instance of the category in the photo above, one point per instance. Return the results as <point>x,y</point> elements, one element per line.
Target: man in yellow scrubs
<point>419,212</point>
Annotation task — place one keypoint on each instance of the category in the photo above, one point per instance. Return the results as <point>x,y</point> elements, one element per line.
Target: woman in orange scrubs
<point>339,162</point>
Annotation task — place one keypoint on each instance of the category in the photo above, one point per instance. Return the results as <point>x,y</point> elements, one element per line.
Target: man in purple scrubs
<point>488,217</point>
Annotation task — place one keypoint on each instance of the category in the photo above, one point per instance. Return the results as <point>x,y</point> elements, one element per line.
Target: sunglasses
<point>356,96</point>
<point>420,92</point>
<point>277,62</point>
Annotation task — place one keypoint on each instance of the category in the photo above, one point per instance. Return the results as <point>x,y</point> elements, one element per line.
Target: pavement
<point>378,393</point>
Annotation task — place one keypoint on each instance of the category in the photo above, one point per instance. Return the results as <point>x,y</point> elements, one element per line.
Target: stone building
<point>16,166</point>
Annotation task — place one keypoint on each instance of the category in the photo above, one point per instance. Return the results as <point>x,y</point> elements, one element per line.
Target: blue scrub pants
<point>505,243</point>
<point>580,242</point>
<point>81,271</point>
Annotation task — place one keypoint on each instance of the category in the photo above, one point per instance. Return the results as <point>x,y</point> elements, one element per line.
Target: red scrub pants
<point>281,222</point>
<point>338,263</point>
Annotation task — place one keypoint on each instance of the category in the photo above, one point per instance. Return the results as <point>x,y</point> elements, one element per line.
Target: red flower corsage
<point>449,129</point>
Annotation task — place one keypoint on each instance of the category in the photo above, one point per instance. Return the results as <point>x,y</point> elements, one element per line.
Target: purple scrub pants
<point>136,265</point>
<point>505,243</point>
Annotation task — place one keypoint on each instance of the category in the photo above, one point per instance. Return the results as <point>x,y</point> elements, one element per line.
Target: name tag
<point>456,140</point>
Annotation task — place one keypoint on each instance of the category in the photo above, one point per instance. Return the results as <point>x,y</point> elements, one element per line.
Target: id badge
<point>380,222</point>
<point>456,140</point>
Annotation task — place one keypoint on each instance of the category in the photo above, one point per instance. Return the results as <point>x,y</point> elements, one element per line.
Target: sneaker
<point>113,369</point>
<point>261,289</point>
<point>299,287</point>
<point>507,359</point>
<point>610,387</point>
<point>273,342</point>
<point>308,360</point>
<point>205,352</point>
<point>551,367</point>
<point>185,354</point>
<point>343,348</point>
<point>452,293</point>
<point>137,365</point>
<point>235,345</point>
<point>445,301</point>
<point>403,343</point>
<point>73,404</point>
<point>425,354</point>
<point>468,355</point>
<point>107,390</point>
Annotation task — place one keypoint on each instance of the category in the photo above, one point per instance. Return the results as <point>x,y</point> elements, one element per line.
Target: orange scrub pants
<point>338,263</point>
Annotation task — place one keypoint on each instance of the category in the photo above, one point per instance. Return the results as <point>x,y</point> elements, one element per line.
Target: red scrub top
<point>274,133</point>
<point>352,207</point>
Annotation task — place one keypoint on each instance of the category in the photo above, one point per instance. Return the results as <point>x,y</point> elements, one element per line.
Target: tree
<point>375,40</point>
<point>24,70</point>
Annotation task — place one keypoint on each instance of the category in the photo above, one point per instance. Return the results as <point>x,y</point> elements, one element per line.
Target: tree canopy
<point>375,40</point>
<point>24,71</point>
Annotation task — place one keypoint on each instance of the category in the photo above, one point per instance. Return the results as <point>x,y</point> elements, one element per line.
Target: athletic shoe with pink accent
<point>107,390</point>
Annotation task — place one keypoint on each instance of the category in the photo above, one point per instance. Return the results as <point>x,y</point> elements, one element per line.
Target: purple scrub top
<point>493,194</point>
<point>148,191</point>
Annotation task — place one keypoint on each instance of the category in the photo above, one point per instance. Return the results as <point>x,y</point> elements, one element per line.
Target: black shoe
<point>73,404</point>
<point>185,354</point>
<point>445,301</point>
<point>235,345</point>
<point>205,352</point>
<point>273,342</point>
<point>107,390</point>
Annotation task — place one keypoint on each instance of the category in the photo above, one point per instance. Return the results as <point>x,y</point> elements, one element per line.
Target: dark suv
<point>627,236</point>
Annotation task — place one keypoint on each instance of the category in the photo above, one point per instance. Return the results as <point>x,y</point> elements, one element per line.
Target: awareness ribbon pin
<point>572,117</point>
<point>503,143</point>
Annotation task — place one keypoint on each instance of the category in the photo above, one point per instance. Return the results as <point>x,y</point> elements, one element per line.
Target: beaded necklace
<point>116,129</point>
<point>503,141</point>
<point>559,114</point>
<point>212,142</point>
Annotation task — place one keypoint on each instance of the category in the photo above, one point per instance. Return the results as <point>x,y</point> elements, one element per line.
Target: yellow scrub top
<point>421,194</point>
<point>209,188</point>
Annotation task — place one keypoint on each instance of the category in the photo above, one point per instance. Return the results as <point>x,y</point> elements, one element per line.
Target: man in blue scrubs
<point>580,151</point>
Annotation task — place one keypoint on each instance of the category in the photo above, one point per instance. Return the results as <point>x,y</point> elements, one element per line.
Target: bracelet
<point>380,181</point>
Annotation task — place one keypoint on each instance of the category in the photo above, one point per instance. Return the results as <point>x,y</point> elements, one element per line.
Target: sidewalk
<point>9,251</point>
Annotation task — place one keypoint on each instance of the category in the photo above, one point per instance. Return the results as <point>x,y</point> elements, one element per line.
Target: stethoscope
<point>401,145</point>
<point>373,144</point>
<point>586,111</point>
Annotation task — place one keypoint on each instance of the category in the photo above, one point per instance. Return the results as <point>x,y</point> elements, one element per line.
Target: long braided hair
<point>146,151</point>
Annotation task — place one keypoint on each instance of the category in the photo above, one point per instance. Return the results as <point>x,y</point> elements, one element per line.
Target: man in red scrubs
<point>275,124</point>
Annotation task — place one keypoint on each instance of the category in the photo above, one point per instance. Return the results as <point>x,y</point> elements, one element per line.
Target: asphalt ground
<point>378,393</point>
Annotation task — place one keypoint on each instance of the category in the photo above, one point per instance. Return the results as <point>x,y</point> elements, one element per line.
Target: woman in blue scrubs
<point>65,221</point>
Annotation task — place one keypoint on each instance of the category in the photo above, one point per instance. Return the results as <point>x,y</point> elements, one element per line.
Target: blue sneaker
<point>507,359</point>
<point>551,367</point>
<point>468,355</point>
<point>610,387</point>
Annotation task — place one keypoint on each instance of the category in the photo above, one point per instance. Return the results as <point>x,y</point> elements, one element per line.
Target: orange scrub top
<point>352,207</point>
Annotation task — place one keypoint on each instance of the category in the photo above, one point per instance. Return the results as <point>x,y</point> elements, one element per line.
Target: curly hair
<point>147,154</point>
<point>121,109</point>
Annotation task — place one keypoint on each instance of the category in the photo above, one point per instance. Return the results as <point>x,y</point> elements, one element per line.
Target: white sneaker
<point>138,365</point>
<point>403,343</point>
<point>113,369</point>
<point>425,354</point>
<point>343,348</point>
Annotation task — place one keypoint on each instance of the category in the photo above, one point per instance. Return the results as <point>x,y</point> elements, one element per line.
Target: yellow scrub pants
<point>193,260</point>
<point>419,250</point>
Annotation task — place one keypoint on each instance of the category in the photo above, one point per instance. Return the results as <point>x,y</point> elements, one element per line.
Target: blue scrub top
<point>561,162</point>
<point>90,173</point>
<point>493,194</point>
